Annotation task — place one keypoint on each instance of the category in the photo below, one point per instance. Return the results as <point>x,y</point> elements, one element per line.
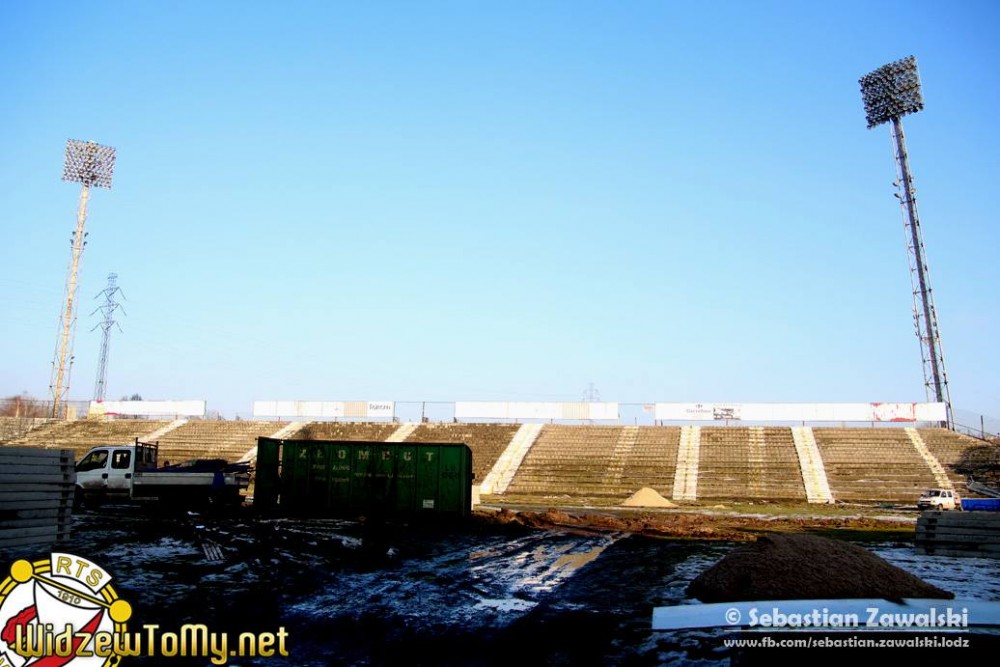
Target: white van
<point>939,499</point>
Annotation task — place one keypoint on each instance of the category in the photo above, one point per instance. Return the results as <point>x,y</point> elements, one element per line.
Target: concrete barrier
<point>36,495</point>
<point>977,532</point>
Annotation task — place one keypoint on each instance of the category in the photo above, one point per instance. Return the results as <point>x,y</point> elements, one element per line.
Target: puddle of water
<point>968,577</point>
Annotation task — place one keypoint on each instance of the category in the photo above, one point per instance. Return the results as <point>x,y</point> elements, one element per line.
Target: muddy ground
<point>528,588</point>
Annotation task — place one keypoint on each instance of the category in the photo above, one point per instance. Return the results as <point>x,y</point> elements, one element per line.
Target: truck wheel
<point>940,507</point>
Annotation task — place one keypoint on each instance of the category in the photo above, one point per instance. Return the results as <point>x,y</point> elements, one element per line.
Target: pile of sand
<point>647,497</point>
<point>806,567</point>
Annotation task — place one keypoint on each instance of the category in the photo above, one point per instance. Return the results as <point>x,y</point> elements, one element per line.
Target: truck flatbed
<point>130,472</point>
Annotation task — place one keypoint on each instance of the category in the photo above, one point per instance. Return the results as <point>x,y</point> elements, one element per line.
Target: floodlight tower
<point>889,93</point>
<point>107,309</point>
<point>91,165</point>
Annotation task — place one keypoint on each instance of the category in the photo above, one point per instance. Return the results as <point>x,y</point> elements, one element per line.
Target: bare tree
<point>22,405</point>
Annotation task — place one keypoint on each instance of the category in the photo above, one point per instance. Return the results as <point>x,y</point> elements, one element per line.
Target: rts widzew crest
<point>60,611</point>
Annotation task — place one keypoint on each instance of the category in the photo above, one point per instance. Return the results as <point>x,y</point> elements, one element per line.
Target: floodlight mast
<point>889,93</point>
<point>91,165</point>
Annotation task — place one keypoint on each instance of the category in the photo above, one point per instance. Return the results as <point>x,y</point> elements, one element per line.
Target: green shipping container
<point>329,477</point>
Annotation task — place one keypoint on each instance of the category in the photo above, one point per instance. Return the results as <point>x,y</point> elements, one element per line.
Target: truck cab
<point>939,499</point>
<point>108,471</point>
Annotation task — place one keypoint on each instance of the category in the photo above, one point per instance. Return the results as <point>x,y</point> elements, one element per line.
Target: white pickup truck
<point>130,472</point>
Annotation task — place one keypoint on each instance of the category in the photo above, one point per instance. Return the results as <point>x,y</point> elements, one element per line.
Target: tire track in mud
<point>489,582</point>
<point>533,566</point>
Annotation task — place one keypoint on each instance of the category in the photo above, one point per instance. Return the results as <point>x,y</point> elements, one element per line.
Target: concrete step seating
<point>213,439</point>
<point>14,428</point>
<point>940,476</point>
<point>620,455</point>
<point>487,441</point>
<point>811,466</point>
<point>609,462</point>
<point>749,462</point>
<point>569,460</point>
<point>582,461</point>
<point>352,431</point>
<point>782,474</point>
<point>81,435</point>
<point>948,447</point>
<point>737,462</point>
<point>724,462</point>
<point>873,464</point>
<point>653,460</point>
<point>500,475</point>
<point>688,459</point>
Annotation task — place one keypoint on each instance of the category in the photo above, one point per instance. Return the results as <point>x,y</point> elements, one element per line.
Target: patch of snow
<point>506,605</point>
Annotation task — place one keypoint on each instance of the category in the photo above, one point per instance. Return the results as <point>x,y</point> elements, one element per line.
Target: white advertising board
<point>148,408</point>
<point>325,409</point>
<point>802,412</point>
<point>580,411</point>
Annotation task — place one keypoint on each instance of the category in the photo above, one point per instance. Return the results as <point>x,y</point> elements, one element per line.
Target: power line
<point>107,309</point>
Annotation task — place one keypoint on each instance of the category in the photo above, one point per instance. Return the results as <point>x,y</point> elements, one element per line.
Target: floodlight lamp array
<point>891,91</point>
<point>89,163</point>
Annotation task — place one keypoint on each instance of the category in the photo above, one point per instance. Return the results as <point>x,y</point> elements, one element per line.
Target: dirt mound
<point>647,497</point>
<point>688,525</point>
<point>806,567</point>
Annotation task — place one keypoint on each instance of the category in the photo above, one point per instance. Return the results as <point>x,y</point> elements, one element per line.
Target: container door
<point>266,478</point>
<point>428,463</point>
<point>318,485</point>
<point>362,476</point>
<point>384,484</point>
<point>339,496</point>
<point>295,481</point>
<point>453,480</point>
<point>406,478</point>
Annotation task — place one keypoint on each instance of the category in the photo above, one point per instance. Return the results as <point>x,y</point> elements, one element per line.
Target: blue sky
<point>673,201</point>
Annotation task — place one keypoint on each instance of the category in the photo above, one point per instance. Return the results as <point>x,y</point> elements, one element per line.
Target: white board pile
<point>36,495</point>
